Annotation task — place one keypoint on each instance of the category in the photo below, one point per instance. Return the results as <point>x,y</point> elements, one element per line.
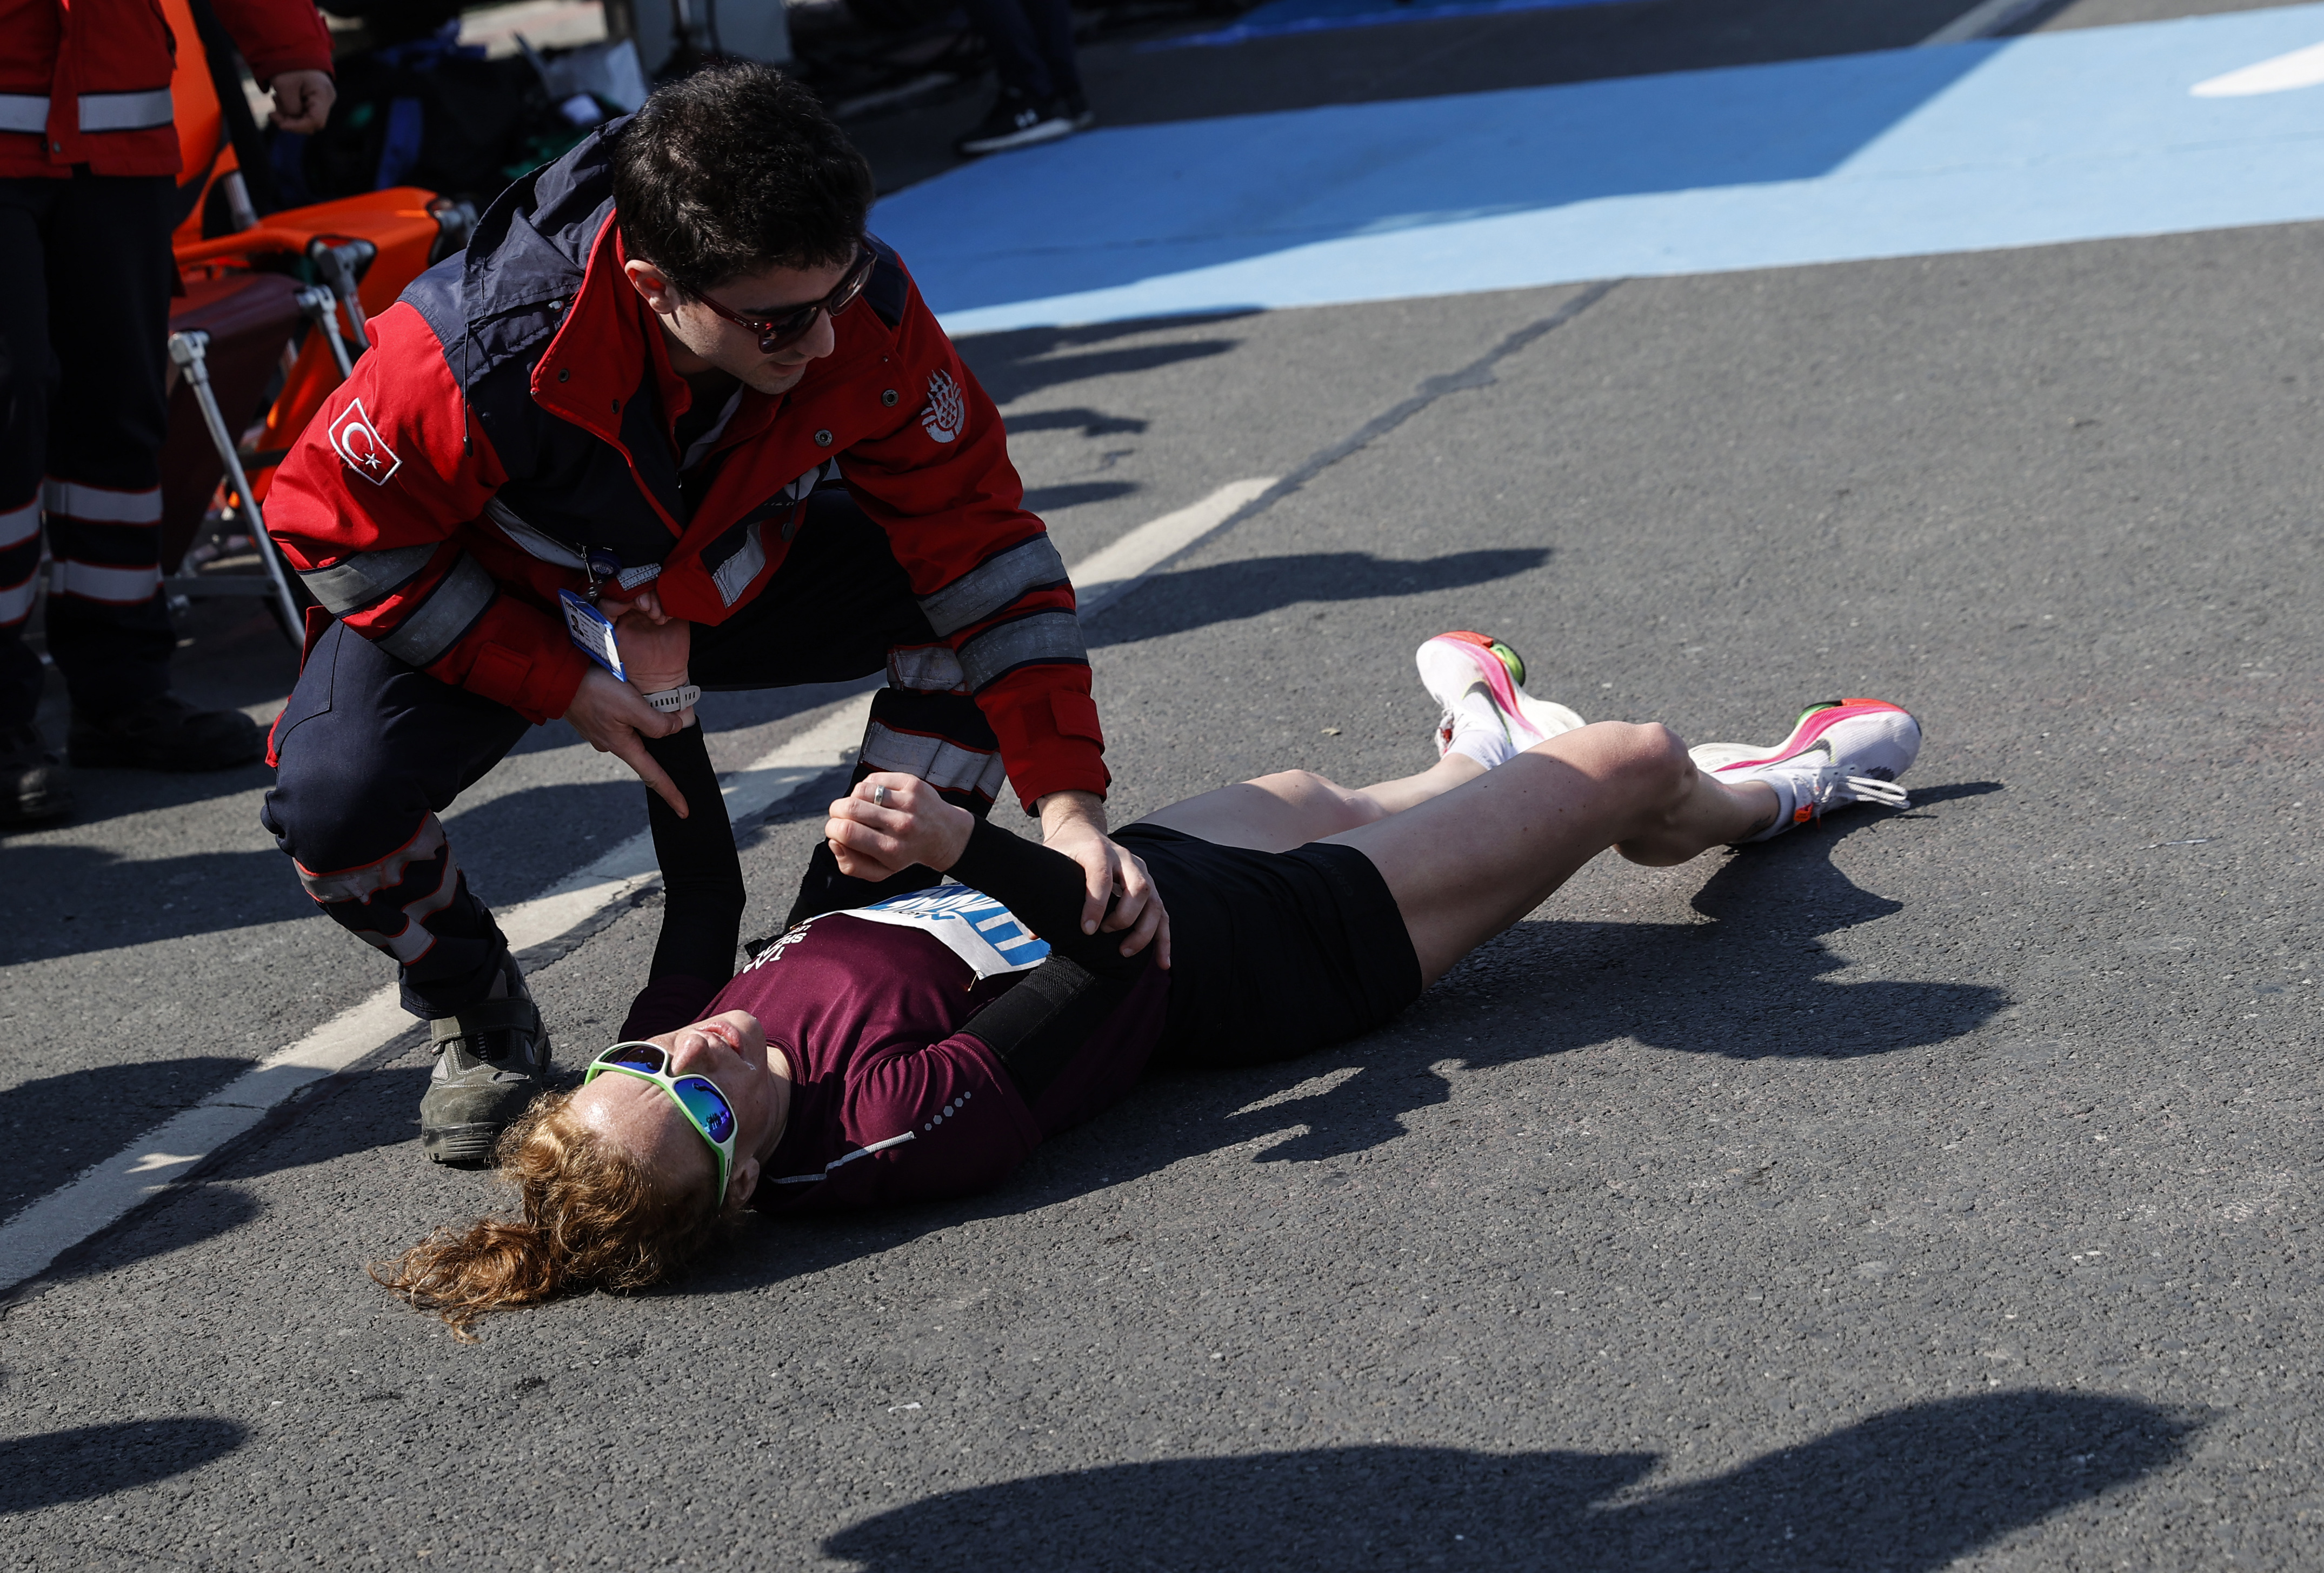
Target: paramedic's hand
<point>303,100</point>
<point>876,840</point>
<point>1073,824</point>
<point>654,651</point>
<point>616,720</point>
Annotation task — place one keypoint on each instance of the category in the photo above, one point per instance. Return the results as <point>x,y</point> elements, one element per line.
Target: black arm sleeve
<point>702,891</point>
<point>1036,1027</point>
<point>1044,890</point>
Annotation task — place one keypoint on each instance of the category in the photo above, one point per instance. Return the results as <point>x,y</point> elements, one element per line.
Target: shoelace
<point>1826,786</point>
<point>1450,721</point>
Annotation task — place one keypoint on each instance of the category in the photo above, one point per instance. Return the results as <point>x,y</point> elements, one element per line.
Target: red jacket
<point>88,81</point>
<point>515,412</point>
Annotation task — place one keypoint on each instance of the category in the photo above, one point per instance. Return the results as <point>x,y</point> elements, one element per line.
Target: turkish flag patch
<point>360,445</point>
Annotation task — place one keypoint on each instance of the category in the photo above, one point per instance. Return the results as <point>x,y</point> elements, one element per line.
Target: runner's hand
<point>615,719</point>
<point>876,841</point>
<point>1073,824</point>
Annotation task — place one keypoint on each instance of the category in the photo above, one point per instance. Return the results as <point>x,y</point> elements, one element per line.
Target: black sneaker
<point>1077,110</point>
<point>492,1059</point>
<point>1015,121</point>
<point>33,782</point>
<point>164,733</point>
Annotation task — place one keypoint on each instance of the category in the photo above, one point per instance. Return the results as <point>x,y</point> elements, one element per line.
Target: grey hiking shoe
<point>492,1059</point>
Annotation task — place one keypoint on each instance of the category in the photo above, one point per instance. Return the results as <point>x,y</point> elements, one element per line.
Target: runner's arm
<point>920,1123</point>
<point>1035,1028</point>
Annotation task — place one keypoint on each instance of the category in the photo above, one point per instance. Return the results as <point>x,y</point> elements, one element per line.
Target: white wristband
<point>670,701</point>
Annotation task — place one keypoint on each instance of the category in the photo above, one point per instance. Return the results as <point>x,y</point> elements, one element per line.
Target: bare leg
<point>1275,813</point>
<point>1467,864</point>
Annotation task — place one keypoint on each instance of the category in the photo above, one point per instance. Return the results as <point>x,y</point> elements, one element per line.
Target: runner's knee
<point>1320,794</point>
<point>1653,760</point>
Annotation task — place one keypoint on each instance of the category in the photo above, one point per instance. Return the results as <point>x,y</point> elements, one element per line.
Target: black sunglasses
<point>779,333</point>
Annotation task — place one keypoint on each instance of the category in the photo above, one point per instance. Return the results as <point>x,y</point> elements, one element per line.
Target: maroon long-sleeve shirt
<point>906,1089</point>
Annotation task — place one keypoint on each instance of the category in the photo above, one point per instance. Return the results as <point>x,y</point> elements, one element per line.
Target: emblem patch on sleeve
<point>358,442</point>
<point>947,411</point>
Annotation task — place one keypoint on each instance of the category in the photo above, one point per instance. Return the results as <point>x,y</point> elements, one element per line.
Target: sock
<point>1786,798</point>
<point>1478,731</point>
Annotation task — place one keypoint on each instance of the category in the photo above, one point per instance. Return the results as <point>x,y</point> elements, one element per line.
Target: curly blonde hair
<point>590,1216</point>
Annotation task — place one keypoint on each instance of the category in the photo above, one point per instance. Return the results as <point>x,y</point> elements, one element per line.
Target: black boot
<point>33,782</point>
<point>164,733</point>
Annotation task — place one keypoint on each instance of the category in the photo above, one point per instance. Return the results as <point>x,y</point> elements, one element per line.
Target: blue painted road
<point>2027,142</point>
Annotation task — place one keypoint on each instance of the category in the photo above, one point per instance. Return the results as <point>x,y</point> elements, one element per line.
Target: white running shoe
<point>1841,751</point>
<point>1454,665</point>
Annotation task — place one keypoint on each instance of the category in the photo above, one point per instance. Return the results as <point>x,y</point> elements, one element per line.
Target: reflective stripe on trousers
<point>387,904</point>
<point>20,559</point>
<point>99,582</point>
<point>101,504</point>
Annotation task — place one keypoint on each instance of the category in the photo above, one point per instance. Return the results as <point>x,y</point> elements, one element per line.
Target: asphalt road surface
<point>1922,1190</point>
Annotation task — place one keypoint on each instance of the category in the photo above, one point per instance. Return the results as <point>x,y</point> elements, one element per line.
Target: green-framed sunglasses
<point>707,1110</point>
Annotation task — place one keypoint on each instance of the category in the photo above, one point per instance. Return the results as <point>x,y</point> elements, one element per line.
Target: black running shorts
<point>1273,954</point>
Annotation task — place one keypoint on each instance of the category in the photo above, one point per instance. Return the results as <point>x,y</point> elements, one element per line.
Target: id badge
<point>592,632</point>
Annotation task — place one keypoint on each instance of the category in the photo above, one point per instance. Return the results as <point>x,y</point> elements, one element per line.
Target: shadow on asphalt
<point>1082,418</point>
<point>377,1108</point>
<point>1915,1488</point>
<point>102,795</point>
<point>81,1116</point>
<point>1193,598</point>
<point>1025,361</point>
<point>68,899</point>
<point>1753,984</point>
<point>1073,493</point>
<point>73,899</point>
<point>92,1461</point>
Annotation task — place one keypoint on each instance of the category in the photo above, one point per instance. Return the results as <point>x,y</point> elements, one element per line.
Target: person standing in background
<point>1032,44</point>
<point>88,152</point>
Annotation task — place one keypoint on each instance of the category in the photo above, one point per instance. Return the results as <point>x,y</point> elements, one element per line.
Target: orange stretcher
<point>274,314</point>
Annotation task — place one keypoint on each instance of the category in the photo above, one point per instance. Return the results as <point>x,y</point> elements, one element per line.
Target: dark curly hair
<point>735,169</point>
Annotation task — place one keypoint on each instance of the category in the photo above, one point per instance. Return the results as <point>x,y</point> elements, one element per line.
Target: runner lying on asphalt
<point>922,1047</point>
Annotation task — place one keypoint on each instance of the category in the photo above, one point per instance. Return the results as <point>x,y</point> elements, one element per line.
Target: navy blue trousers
<point>370,751</point>
<point>84,341</point>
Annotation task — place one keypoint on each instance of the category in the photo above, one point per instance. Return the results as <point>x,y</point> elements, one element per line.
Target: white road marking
<point>162,1157</point>
<point>2300,69</point>
<point>1103,578</point>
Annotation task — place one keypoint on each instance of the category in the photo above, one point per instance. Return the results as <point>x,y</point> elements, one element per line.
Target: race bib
<point>968,922</point>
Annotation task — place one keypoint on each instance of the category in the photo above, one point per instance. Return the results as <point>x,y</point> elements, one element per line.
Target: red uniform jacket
<point>515,414</point>
<point>88,82</point>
